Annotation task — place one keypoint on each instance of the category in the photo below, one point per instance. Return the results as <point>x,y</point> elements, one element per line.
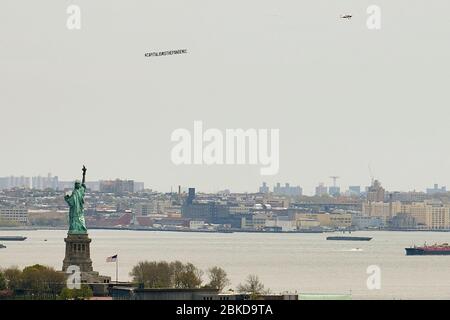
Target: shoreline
<point>38,228</point>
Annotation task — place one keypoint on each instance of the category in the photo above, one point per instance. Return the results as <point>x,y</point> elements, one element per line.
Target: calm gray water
<point>302,263</point>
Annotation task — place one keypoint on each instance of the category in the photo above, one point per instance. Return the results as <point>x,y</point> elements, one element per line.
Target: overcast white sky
<point>342,96</point>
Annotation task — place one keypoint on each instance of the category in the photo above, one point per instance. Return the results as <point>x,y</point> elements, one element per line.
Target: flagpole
<point>117,269</point>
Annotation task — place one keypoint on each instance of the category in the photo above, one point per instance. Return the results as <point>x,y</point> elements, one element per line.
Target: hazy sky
<point>342,96</point>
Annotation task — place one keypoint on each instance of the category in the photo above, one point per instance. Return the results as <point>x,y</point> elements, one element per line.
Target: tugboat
<point>436,249</point>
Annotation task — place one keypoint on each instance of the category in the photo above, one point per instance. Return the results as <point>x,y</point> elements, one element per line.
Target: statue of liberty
<point>75,201</point>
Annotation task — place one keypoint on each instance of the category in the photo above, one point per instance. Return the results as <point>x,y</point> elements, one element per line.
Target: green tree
<point>85,292</point>
<point>252,285</point>
<point>186,276</point>
<point>2,281</point>
<point>217,278</point>
<point>39,279</point>
<point>13,278</point>
<point>152,274</point>
<point>66,294</point>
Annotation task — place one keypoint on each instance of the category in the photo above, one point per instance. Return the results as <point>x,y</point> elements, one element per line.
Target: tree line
<point>38,282</point>
<point>163,274</point>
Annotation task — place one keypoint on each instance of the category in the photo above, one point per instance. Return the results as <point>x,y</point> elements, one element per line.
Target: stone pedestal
<point>78,252</point>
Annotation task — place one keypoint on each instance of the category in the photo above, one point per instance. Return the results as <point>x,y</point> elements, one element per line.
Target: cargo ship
<point>349,238</point>
<point>436,249</point>
<point>12,238</point>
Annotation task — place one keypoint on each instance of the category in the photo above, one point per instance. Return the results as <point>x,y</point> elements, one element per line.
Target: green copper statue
<point>76,204</point>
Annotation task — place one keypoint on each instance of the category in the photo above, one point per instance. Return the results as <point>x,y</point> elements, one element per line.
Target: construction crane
<point>334,180</point>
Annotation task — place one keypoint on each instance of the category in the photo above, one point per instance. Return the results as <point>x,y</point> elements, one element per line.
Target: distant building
<point>331,220</point>
<point>283,223</point>
<point>354,190</point>
<point>196,225</point>
<point>307,223</point>
<point>436,189</point>
<point>321,190</point>
<point>411,196</point>
<point>278,202</point>
<point>243,210</point>
<point>366,222</point>
<point>43,183</point>
<point>403,221</point>
<point>257,221</point>
<point>439,218</point>
<point>375,192</point>
<point>139,186</point>
<point>385,211</point>
<point>419,211</point>
<point>3,183</point>
<point>16,215</point>
<point>144,209</point>
<point>334,191</point>
<point>133,293</point>
<point>429,215</point>
<point>12,182</point>
<point>191,196</point>
<point>209,212</point>
<point>91,185</point>
<point>287,190</point>
<point>264,188</point>
<point>152,207</point>
<point>117,186</point>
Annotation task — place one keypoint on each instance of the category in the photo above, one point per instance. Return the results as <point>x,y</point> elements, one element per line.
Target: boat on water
<point>426,250</point>
<point>12,238</point>
<point>349,238</point>
<point>2,246</point>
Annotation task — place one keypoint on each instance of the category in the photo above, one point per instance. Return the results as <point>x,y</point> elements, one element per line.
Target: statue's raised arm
<point>84,175</point>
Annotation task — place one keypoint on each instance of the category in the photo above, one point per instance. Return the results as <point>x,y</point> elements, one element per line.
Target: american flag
<point>112,258</point>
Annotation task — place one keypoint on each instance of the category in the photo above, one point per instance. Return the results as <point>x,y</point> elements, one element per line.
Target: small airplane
<point>346,16</point>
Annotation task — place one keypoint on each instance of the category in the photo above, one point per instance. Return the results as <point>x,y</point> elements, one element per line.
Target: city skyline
<point>342,189</point>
